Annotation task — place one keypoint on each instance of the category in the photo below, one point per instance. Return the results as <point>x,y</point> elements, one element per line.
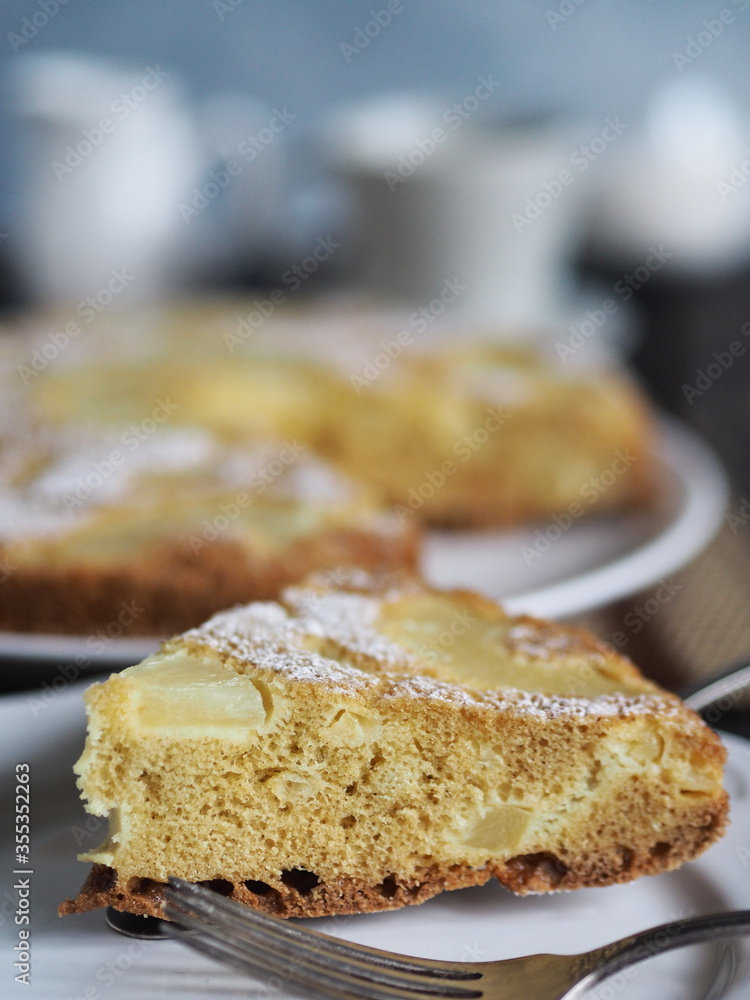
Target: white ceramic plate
<point>79,957</point>
<point>543,570</point>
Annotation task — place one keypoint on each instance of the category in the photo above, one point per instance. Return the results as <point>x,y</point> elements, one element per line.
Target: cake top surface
<point>54,481</point>
<point>355,632</point>
<point>231,340</point>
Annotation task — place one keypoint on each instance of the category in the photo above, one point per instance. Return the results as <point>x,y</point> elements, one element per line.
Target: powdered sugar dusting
<point>50,480</point>
<point>539,642</point>
<point>314,482</point>
<point>53,479</point>
<point>325,636</point>
<point>266,636</point>
<point>503,385</point>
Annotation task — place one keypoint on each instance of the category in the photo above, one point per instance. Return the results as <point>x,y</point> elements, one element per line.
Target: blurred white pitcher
<point>440,195</point>
<point>125,184</point>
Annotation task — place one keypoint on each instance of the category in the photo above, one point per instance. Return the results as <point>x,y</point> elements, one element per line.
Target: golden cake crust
<point>170,590</point>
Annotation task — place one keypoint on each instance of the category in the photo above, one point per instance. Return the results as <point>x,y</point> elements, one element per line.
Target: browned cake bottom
<point>305,896</point>
<point>172,589</point>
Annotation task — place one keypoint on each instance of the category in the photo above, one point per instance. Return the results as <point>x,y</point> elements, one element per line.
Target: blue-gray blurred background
<point>586,153</point>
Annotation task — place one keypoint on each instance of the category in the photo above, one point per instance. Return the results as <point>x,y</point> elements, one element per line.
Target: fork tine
<point>215,949</point>
<point>322,980</point>
<point>309,966</point>
<point>277,933</point>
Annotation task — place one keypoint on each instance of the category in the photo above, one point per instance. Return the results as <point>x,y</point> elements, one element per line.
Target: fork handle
<point>730,684</point>
<point>603,962</point>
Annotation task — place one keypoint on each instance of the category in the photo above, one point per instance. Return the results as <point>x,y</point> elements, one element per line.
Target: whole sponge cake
<point>452,428</point>
<point>366,743</point>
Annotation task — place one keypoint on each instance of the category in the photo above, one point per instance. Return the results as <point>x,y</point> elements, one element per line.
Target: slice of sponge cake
<point>364,746</point>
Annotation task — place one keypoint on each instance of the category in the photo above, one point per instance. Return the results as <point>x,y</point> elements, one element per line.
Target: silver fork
<point>728,684</point>
<point>317,965</point>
